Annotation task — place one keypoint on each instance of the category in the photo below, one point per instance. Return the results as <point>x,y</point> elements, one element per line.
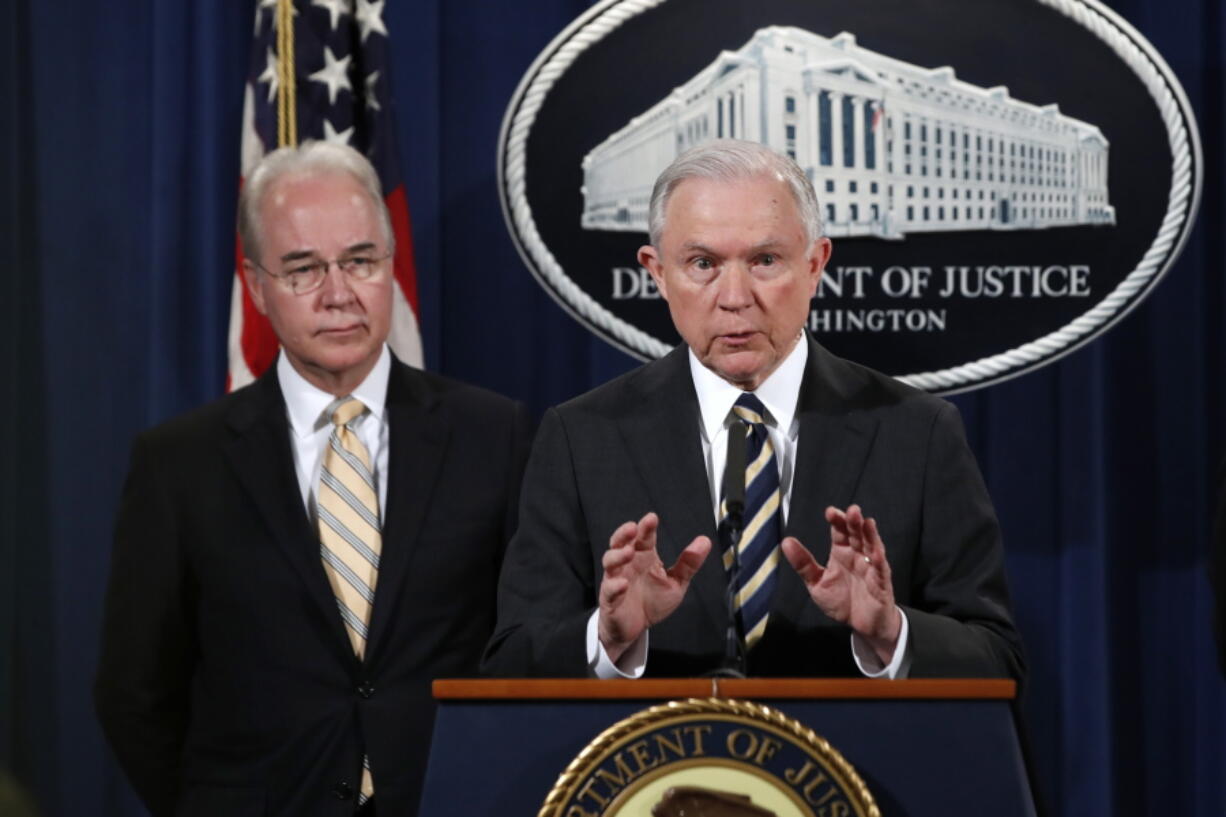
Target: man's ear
<point>250,275</point>
<point>817,259</point>
<point>649,259</point>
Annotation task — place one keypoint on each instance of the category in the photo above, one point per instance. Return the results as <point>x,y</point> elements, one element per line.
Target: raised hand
<point>854,587</point>
<point>637,591</point>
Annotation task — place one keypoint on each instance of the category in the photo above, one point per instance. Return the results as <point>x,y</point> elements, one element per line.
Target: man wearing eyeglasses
<point>294,563</point>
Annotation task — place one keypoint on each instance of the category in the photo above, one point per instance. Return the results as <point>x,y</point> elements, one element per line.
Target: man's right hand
<point>637,591</point>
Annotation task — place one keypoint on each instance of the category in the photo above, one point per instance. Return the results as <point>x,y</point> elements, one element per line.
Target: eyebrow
<point>768,244</point>
<point>298,255</point>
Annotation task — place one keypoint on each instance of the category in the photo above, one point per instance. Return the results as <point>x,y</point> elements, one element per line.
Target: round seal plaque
<point>1002,181</point>
<point>709,758</point>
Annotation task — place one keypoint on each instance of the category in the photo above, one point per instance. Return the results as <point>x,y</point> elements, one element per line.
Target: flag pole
<point>287,108</point>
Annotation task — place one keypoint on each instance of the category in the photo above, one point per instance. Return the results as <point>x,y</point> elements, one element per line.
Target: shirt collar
<point>779,392</point>
<point>305,403</point>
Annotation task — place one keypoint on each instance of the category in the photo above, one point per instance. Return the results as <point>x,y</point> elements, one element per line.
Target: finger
<point>855,527</point>
<point>842,557</point>
<point>646,538</point>
<point>877,554</point>
<point>690,560</point>
<point>616,557</point>
<point>838,525</point>
<point>874,548</point>
<point>612,588</point>
<point>801,560</point>
<point>624,535</point>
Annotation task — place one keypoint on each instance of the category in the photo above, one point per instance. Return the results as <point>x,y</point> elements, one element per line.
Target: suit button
<point>342,791</point>
<point>366,689</point>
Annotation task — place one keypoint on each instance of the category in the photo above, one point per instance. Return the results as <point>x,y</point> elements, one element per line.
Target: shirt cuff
<point>870,665</point>
<point>632,663</point>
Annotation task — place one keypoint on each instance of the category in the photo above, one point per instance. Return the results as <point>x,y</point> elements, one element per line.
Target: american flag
<point>319,70</point>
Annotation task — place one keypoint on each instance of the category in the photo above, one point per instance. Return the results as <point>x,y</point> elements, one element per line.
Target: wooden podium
<point>923,747</point>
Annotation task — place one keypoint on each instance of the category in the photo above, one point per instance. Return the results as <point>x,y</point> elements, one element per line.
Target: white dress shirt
<point>311,426</point>
<point>779,393</point>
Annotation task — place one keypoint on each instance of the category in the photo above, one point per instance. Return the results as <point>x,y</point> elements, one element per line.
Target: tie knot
<point>345,409</point>
<point>750,409</point>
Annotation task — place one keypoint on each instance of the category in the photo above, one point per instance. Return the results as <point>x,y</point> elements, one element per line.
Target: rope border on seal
<point>1120,37</point>
<point>598,747</point>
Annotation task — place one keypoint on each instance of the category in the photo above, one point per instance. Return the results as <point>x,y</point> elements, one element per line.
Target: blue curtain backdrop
<point>120,155</point>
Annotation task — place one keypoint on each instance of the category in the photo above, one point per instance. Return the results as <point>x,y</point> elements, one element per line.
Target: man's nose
<point>735,290</point>
<point>337,288</point>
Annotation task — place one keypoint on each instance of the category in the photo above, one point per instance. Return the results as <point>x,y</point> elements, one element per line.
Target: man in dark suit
<point>608,573</point>
<point>294,563</point>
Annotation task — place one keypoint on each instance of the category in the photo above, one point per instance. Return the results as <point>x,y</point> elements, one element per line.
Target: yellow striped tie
<point>350,541</point>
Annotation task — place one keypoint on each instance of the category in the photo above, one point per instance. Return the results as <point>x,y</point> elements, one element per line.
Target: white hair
<point>308,159</point>
<point>734,160</point>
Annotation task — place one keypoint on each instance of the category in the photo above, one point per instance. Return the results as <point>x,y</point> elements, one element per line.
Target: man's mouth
<point>737,338</point>
<point>341,330</point>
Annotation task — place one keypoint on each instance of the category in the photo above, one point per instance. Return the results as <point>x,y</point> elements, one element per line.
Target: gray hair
<point>308,159</point>
<point>734,160</point>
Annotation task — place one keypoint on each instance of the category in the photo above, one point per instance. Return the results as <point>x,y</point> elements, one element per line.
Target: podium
<point>922,747</point>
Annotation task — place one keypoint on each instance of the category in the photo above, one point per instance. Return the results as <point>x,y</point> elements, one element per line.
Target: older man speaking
<point>853,532</point>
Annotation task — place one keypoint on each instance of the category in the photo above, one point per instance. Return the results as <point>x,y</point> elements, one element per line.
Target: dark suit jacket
<point>633,446</point>
<point>227,684</point>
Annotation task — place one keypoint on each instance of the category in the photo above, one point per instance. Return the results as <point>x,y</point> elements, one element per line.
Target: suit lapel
<point>661,431</point>
<point>833,444</point>
<point>418,438</point>
<point>261,457</point>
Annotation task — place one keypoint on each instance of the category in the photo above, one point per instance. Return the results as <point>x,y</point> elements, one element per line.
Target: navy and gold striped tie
<point>758,553</point>
<point>350,538</point>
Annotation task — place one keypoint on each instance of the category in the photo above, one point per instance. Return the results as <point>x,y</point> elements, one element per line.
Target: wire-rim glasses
<point>306,276</point>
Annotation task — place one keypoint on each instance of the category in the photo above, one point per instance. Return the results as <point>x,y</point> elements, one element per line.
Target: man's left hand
<point>854,587</point>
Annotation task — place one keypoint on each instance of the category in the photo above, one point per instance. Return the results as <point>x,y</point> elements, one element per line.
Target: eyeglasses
<point>308,276</point>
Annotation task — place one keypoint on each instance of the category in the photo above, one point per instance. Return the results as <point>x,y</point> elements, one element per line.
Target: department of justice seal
<point>1003,181</point>
<point>709,758</point>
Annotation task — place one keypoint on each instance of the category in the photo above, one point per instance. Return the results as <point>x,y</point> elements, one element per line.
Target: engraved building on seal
<point>891,147</point>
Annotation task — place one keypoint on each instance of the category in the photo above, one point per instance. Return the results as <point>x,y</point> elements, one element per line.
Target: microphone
<point>734,478</point>
<point>734,525</point>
